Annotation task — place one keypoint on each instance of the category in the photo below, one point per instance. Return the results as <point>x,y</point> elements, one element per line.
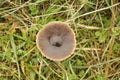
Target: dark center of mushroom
<point>56,41</point>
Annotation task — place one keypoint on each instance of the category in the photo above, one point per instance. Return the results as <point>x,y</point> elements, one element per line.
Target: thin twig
<point>88,27</point>
<point>89,49</point>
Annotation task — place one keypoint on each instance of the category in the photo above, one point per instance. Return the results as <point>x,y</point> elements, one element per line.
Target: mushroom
<point>56,41</point>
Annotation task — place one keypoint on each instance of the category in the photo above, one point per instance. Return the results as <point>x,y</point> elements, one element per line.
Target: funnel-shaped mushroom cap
<point>56,41</point>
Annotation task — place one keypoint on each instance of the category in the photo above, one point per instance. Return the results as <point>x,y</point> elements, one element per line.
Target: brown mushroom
<point>56,41</point>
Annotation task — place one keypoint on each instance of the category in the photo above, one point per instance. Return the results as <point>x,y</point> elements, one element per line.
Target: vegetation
<point>96,24</point>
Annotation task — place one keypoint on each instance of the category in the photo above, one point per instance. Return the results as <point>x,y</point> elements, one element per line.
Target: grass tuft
<point>96,24</point>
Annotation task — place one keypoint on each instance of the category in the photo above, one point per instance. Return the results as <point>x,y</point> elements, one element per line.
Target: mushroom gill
<point>56,41</point>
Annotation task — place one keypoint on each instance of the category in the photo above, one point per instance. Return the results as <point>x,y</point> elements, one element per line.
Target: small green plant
<point>33,9</point>
<point>116,31</point>
<point>99,77</point>
<point>101,35</point>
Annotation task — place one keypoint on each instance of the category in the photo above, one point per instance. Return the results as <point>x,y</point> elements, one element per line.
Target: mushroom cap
<point>56,41</point>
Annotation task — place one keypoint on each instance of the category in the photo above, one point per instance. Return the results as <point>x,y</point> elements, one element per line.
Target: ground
<point>96,24</point>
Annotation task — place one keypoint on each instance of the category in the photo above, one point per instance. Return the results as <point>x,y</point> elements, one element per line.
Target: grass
<point>96,24</point>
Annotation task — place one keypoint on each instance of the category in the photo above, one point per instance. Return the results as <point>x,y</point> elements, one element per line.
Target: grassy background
<point>96,24</point>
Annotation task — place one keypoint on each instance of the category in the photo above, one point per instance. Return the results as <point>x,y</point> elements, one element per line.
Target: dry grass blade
<point>88,27</point>
<point>88,13</point>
